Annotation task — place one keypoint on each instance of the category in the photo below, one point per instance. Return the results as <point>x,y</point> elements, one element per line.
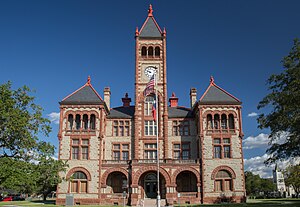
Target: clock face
<point>150,71</point>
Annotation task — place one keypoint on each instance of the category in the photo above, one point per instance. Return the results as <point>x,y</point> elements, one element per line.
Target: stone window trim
<point>80,146</point>
<point>79,182</point>
<point>87,121</point>
<point>148,103</point>
<point>120,150</point>
<point>180,150</point>
<point>121,127</point>
<point>78,169</point>
<point>222,144</point>
<point>150,51</point>
<point>222,180</point>
<point>152,149</point>
<point>181,127</point>
<point>151,126</point>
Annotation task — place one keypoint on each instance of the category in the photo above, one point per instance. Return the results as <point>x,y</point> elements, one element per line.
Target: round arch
<point>111,170</point>
<point>82,169</point>
<point>178,171</point>
<point>140,172</point>
<point>223,167</point>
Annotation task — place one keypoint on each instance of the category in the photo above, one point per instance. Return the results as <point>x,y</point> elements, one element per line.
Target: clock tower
<point>150,60</point>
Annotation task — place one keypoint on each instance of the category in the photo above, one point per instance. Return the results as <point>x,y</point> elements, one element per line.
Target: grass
<point>250,203</point>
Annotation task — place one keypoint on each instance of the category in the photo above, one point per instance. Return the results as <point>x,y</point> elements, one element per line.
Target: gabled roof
<point>84,95</point>
<point>121,112</point>
<point>180,112</point>
<point>216,95</point>
<point>150,27</point>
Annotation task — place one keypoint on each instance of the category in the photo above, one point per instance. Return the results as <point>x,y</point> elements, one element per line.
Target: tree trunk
<point>44,196</point>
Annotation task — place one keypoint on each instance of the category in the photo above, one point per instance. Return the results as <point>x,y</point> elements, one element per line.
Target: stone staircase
<point>148,202</point>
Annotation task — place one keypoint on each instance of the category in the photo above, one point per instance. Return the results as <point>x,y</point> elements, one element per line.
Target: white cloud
<point>252,114</point>
<point>54,117</point>
<point>260,141</point>
<point>256,165</point>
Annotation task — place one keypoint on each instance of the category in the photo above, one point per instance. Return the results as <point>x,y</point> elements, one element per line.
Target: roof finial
<point>136,31</point>
<point>212,80</point>
<point>150,10</point>
<point>164,32</point>
<point>89,80</point>
<point>173,94</point>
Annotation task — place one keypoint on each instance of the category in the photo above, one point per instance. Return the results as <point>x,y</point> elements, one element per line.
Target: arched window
<point>209,121</point>
<point>157,51</point>
<point>93,121</point>
<point>149,101</point>
<point>223,181</point>
<point>78,182</point>
<point>231,121</point>
<point>85,121</point>
<point>150,51</point>
<point>70,121</point>
<point>77,121</point>
<point>217,121</point>
<point>144,51</point>
<point>224,121</point>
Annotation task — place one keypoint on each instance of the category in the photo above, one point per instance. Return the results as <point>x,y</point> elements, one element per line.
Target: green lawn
<point>250,203</point>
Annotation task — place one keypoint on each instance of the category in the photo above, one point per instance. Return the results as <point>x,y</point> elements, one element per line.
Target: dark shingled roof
<point>150,29</point>
<point>128,112</point>
<point>180,112</point>
<point>121,112</point>
<point>84,95</point>
<point>216,95</point>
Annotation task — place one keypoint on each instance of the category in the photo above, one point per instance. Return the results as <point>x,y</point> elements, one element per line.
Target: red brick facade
<point>121,142</point>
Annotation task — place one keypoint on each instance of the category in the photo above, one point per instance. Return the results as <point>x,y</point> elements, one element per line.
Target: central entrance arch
<point>148,185</point>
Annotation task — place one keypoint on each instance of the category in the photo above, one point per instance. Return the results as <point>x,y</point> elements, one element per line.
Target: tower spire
<point>150,10</point>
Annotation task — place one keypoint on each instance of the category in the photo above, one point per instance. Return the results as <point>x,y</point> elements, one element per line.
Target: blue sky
<point>52,46</point>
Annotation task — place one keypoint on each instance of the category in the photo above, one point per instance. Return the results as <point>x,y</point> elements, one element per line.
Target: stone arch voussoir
<point>111,170</point>
<point>76,169</point>
<point>178,171</point>
<point>140,172</point>
<point>223,167</point>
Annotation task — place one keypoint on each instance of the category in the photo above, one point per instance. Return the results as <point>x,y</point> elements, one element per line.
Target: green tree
<point>292,177</point>
<point>284,102</point>
<point>20,122</point>
<point>17,175</point>
<point>26,163</point>
<point>48,169</point>
<point>255,184</point>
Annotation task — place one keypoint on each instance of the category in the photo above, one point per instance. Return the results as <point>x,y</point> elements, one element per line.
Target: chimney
<point>107,97</point>
<point>126,101</point>
<point>173,100</point>
<point>193,96</point>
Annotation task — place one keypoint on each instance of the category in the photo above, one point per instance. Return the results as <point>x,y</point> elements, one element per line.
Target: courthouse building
<point>113,150</point>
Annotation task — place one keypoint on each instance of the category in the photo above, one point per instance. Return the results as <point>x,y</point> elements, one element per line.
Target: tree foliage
<point>20,122</point>
<point>292,177</point>
<point>255,184</point>
<point>26,163</point>
<point>284,102</point>
<point>17,175</point>
<point>48,170</point>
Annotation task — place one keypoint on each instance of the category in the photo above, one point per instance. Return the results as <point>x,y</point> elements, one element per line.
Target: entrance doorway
<point>150,185</point>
